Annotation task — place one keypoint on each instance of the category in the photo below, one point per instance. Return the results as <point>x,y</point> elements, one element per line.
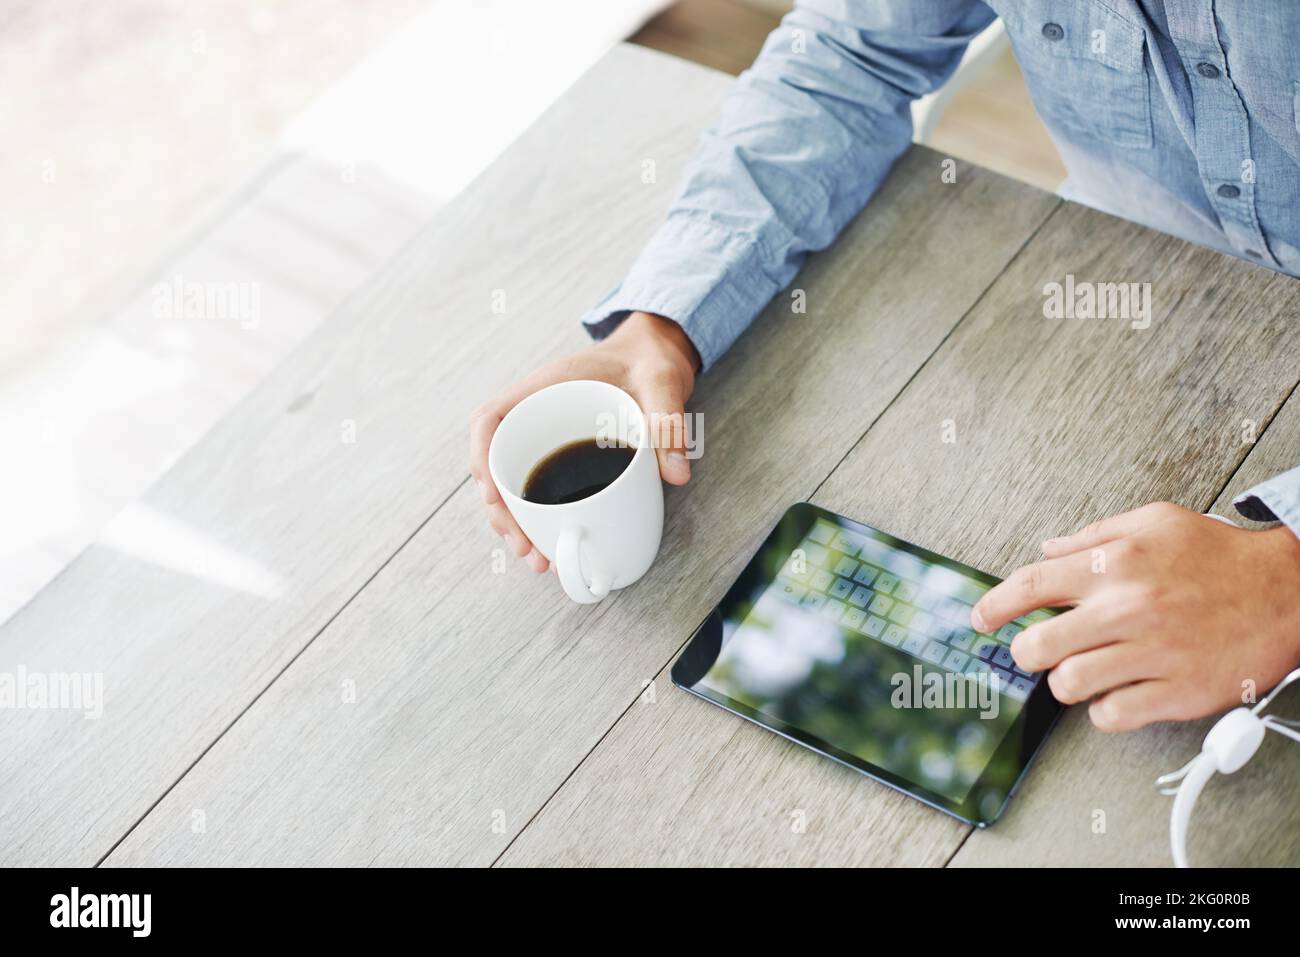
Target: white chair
<point>981,53</point>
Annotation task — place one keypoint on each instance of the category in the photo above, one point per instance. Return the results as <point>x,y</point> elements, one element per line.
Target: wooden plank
<point>478,693</point>
<point>1247,819</point>
<point>721,34</point>
<point>1055,422</point>
<point>253,542</point>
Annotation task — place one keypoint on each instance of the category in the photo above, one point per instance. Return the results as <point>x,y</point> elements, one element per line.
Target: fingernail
<point>537,561</point>
<point>677,463</point>
<point>977,620</point>
<point>1050,542</point>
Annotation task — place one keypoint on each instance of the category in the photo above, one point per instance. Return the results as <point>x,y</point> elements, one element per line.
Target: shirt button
<point>1228,191</point>
<point>1053,31</point>
<point>1208,70</point>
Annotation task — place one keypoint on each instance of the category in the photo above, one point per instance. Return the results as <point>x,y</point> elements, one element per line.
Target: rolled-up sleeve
<point>1277,500</point>
<point>804,139</point>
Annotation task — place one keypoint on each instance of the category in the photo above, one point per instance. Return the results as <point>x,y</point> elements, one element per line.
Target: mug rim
<point>645,447</point>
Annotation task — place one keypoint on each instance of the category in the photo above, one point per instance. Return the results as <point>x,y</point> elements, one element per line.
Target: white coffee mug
<point>605,541</point>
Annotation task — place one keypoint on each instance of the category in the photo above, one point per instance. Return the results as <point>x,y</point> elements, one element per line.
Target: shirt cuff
<point>704,277</point>
<point>1277,500</point>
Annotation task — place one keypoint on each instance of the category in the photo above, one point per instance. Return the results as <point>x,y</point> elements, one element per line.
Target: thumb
<point>666,422</point>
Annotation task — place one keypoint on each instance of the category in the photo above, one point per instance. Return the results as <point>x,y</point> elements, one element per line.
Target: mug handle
<point>569,566</point>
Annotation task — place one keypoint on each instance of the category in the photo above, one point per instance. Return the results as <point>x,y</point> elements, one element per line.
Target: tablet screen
<point>859,645</point>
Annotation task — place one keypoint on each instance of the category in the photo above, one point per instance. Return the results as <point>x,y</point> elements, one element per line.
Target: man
<point>1180,114</point>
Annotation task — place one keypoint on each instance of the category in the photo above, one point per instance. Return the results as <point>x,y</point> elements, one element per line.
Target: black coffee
<point>575,471</point>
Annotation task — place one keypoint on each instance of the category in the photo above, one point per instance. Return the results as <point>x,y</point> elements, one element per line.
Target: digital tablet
<point>858,645</point>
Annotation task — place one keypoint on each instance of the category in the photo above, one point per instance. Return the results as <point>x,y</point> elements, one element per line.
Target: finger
<point>482,426</point>
<point>1134,706</point>
<point>1107,530</point>
<point>663,403</point>
<point>1047,643</point>
<point>484,420</point>
<point>504,524</point>
<point>1060,581</point>
<point>1081,677</point>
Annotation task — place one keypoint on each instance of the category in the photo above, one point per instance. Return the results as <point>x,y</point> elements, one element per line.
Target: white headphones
<point>1232,742</point>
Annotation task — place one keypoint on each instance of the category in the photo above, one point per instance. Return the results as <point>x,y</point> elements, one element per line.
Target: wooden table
<point>312,653</point>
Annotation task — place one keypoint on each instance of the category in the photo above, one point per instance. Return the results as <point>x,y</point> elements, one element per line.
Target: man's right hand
<point>647,356</point>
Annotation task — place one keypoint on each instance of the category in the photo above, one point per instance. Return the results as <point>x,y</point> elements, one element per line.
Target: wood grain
<point>478,693</point>
<point>254,541</point>
<point>1057,422</point>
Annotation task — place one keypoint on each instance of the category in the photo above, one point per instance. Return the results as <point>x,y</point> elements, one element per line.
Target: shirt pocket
<point>1085,68</point>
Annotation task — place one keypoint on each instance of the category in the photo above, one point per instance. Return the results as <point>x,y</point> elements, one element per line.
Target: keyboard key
<point>790,590</point>
<point>823,533</point>
<point>1003,657</point>
<point>866,574</point>
<point>800,571</point>
<point>881,605</point>
<point>855,618</point>
<point>922,621</point>
<point>846,567</point>
<point>1019,688</point>
<point>958,613</point>
<point>813,600</point>
<point>874,627</point>
<point>893,635</point>
<point>927,599</point>
<point>901,614</point>
<point>814,554</point>
<point>834,610</point>
<point>938,629</point>
<point>960,638</point>
<point>912,644</point>
<point>906,591</point>
<point>1007,632</point>
<point>841,588</point>
<point>933,652</point>
<point>977,667</point>
<point>848,542</point>
<point>1004,679</point>
<point>956,660</point>
<point>886,582</point>
<point>1022,672</point>
<point>861,596</point>
<point>822,579</point>
<point>985,648</point>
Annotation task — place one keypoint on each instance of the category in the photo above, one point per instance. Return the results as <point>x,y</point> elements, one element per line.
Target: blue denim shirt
<point>1183,115</point>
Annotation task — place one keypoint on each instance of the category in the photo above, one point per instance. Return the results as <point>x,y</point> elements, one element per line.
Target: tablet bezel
<point>1023,740</point>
